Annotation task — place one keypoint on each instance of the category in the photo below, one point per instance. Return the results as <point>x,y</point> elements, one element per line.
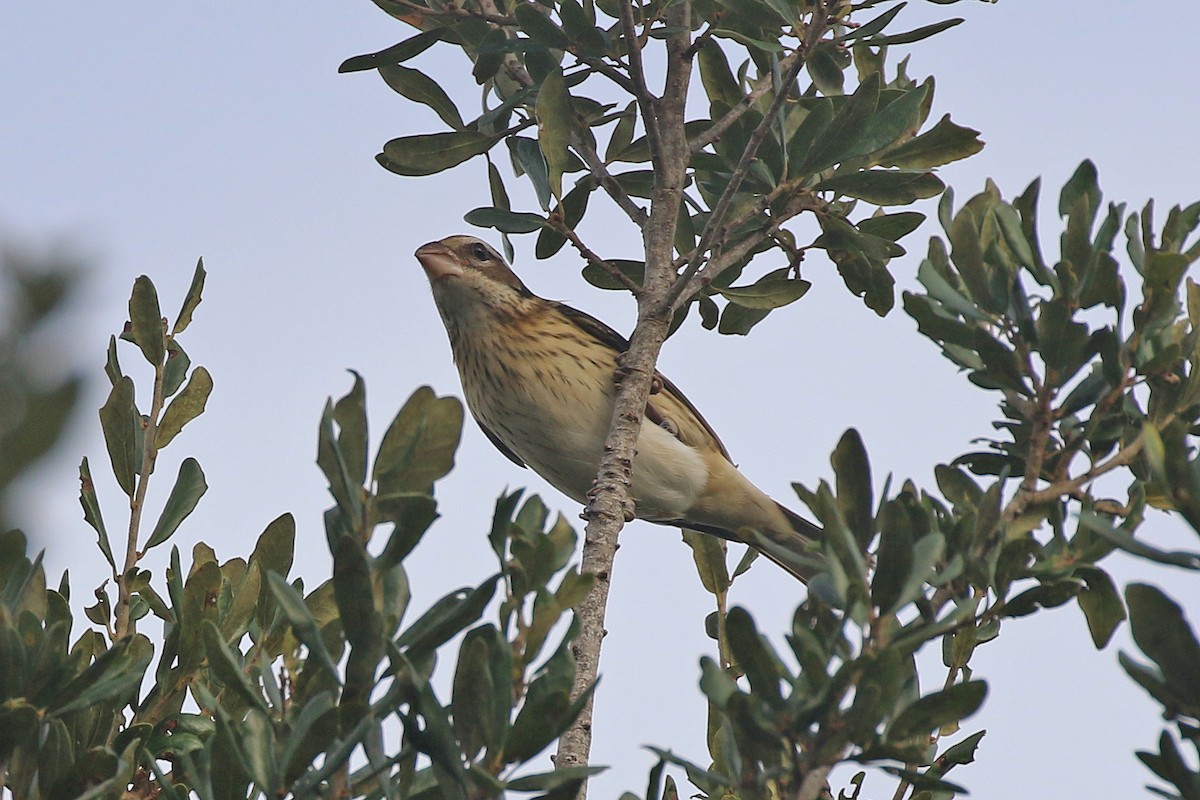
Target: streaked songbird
<point>539,378</point>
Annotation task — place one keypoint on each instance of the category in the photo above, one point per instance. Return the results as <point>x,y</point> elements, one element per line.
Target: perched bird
<point>539,378</point>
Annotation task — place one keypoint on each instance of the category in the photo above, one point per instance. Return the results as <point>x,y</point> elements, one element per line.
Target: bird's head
<point>468,277</point>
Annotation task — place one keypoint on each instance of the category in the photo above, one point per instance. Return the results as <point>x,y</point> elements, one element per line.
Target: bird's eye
<point>481,252</point>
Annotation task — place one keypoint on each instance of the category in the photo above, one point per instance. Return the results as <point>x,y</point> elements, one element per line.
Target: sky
<point>139,136</point>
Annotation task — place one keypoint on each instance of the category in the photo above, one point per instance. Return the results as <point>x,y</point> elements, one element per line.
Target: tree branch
<point>607,182</point>
<point>611,505</point>
<point>596,260</point>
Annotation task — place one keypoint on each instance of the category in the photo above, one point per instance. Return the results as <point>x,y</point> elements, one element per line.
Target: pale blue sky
<point>146,134</point>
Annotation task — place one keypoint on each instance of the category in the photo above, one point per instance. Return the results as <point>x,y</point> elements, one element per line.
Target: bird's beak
<point>438,261</point>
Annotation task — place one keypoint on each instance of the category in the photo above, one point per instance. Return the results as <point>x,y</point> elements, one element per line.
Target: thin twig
<point>758,88</point>
<point>596,260</point>
<point>607,182</point>
<point>137,505</point>
<point>641,93</point>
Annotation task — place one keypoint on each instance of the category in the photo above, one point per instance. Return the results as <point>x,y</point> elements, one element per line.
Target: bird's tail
<point>789,548</point>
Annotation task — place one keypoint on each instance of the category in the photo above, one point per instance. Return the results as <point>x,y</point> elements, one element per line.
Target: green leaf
<point>420,88</point>
<point>189,488</point>
<point>446,618</point>
<point>1122,539</point>
<point>191,300</point>
<point>430,153</point>
<point>753,655</point>
<point>91,511</point>
<point>943,143</point>
<point>188,405</point>
<point>116,671</point>
<point>892,227</point>
<point>475,694</point>
<point>935,710</point>
<point>855,495</point>
<point>885,187</point>
<point>767,293</point>
<point>554,125</point>
<point>350,414</point>
<point>1101,605</point>
<point>709,555</point>
<point>549,781</point>
<point>397,53</point>
<point>572,209</point>
<point>418,448</point>
<point>504,220</point>
<point>897,119</point>
<point>539,27</point>
<point>176,369</point>
<point>1162,632</point>
<point>302,621</point>
<point>844,131</point>
<point>147,321</point>
<point>598,277</point>
<point>916,35</point>
<point>738,319</point>
<point>720,85</point>
<point>1082,185</point>
<point>122,428</point>
<point>749,41</point>
<point>622,135</point>
<point>527,159</point>
<point>227,667</point>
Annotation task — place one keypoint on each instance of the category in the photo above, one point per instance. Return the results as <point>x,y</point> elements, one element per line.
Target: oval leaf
<point>431,153</point>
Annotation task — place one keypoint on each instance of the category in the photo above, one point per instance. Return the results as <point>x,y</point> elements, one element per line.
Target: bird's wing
<point>670,404</point>
<point>501,446</point>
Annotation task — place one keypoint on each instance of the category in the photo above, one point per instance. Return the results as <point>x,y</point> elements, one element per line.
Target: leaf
<point>767,293</point>
<point>191,300</point>
<point>898,118</point>
<point>600,278</point>
<point>915,35</point>
<point>189,488</point>
<point>1101,605</point>
<point>539,27</point>
<point>504,220</point>
<point>885,187</point>
<point>225,665</point>
<point>418,447</point>
<point>943,143</point>
<point>121,425</point>
<point>397,53</point>
<point>1162,632</point>
<point>738,319</point>
<point>146,318</point>
<point>430,153</point>
<point>554,125</point>
<point>843,132</point>
<point>176,368</point>
<point>528,160</point>
<point>302,621</point>
<point>709,555</point>
<point>935,710</point>
<point>116,671</point>
<point>350,414</point>
<point>855,495</point>
<point>449,615</point>
<point>420,88</point>
<point>91,511</point>
<point>1122,539</point>
<point>188,405</point>
<point>754,657</point>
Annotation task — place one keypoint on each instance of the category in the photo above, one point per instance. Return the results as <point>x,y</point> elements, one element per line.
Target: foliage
<point>34,406</point>
<point>261,686</point>
<point>782,135</point>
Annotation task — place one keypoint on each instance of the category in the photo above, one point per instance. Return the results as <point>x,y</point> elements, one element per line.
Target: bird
<point>539,379</point>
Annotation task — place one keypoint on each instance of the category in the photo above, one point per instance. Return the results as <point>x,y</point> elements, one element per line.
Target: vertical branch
<point>611,506</point>
<point>137,504</point>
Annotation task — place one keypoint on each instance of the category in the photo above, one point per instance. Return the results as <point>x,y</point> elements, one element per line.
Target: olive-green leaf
<point>397,53</point>
<point>114,672</point>
<point>943,143</point>
<point>885,187</point>
<point>186,407</point>
<point>539,27</point>
<point>554,126</point>
<point>504,220</point>
<point>420,88</point>
<point>189,488</point>
<point>935,710</point>
<point>302,621</point>
<point>898,118</point>
<point>430,153</point>
<point>709,556</point>
<point>768,293</point>
<point>120,422</point>
<point>855,495</point>
<point>224,664</point>
<point>1162,632</point>
<point>91,511</point>
<point>843,132</point>
<point>191,300</point>
<point>418,447</point>
<point>1101,605</point>
<point>915,35</point>
<point>146,318</point>
<point>600,277</point>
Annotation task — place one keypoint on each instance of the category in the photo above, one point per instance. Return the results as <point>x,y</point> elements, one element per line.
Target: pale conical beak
<point>438,261</point>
